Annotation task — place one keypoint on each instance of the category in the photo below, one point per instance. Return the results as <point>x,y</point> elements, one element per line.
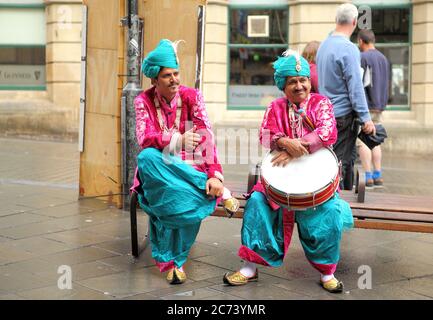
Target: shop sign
<point>22,75</point>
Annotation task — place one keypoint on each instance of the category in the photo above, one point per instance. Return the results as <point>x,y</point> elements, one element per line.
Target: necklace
<point>295,121</point>
<point>162,124</point>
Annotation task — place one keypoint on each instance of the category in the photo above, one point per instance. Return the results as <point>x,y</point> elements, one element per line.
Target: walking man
<point>376,70</point>
<point>339,72</point>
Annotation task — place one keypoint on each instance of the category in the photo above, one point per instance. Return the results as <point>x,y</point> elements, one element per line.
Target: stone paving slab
<point>128,283</point>
<point>20,219</point>
<point>422,285</point>
<point>128,262</point>
<point>76,293</point>
<point>392,291</point>
<point>259,290</point>
<point>187,290</point>
<point>197,294</point>
<point>14,281</point>
<point>64,210</point>
<point>38,246</point>
<point>9,254</point>
<point>12,209</point>
<point>77,256</point>
<point>78,238</point>
<point>31,230</point>
<point>35,267</point>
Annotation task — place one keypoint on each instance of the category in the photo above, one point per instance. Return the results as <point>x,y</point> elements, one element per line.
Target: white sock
<point>180,269</point>
<point>226,194</point>
<point>326,277</point>
<point>248,269</point>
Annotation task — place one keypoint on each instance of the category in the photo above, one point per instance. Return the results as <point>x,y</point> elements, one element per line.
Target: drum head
<point>303,175</point>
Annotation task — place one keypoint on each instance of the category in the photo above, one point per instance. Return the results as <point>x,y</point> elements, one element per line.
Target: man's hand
<point>190,139</point>
<point>294,147</point>
<point>214,187</point>
<point>369,128</point>
<point>281,159</point>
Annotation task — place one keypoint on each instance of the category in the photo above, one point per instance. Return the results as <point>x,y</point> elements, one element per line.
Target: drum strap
<point>295,121</point>
<point>306,119</point>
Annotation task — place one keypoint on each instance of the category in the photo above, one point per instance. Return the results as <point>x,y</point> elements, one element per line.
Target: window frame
<point>395,107</point>
<point>230,45</point>
<point>23,6</point>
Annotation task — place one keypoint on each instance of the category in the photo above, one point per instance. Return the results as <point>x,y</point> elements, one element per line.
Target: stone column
<point>309,21</point>
<point>215,59</point>
<point>422,62</point>
<point>63,55</point>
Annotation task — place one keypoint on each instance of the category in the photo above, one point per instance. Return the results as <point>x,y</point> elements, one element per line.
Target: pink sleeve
<point>209,151</point>
<point>270,131</point>
<point>147,134</point>
<point>325,133</point>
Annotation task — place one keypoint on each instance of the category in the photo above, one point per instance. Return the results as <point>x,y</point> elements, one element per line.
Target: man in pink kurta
<point>267,228</point>
<point>179,179</point>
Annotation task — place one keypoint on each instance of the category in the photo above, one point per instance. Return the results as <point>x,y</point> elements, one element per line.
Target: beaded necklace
<point>161,121</point>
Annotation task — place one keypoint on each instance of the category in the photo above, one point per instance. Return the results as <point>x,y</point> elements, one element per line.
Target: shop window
<point>22,46</point>
<point>257,37</point>
<point>391,26</point>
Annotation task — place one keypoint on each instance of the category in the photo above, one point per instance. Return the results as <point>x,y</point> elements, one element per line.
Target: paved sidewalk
<point>44,227</point>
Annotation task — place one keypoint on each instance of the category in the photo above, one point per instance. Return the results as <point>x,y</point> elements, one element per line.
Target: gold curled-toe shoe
<point>175,276</point>
<point>238,279</point>
<point>333,285</point>
<point>231,206</point>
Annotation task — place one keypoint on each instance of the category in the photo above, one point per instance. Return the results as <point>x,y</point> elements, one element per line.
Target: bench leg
<point>360,184</point>
<point>133,216</point>
<point>136,248</point>
<point>253,178</point>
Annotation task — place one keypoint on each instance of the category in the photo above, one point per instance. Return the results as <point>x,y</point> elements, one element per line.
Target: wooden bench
<point>382,211</point>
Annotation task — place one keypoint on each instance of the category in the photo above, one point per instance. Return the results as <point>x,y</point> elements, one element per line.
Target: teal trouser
<point>173,195</point>
<point>266,233</point>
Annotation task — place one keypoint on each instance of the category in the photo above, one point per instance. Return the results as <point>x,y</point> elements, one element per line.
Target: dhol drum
<point>303,183</point>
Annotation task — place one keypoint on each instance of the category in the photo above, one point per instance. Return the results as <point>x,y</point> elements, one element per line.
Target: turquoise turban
<point>290,66</point>
<point>163,55</point>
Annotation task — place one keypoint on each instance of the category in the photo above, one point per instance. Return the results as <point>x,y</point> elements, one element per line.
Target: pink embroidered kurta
<point>150,134</point>
<point>276,124</point>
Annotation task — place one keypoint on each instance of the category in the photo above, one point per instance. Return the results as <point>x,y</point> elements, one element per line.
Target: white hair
<point>346,13</point>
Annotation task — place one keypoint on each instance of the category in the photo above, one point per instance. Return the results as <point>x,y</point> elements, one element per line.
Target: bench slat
<point>394,226</point>
<point>391,215</point>
<point>391,202</point>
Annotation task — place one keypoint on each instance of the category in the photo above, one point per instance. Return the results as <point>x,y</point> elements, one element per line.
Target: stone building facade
<point>40,86</point>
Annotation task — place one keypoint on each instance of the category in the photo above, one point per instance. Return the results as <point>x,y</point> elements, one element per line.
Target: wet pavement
<point>48,237</point>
